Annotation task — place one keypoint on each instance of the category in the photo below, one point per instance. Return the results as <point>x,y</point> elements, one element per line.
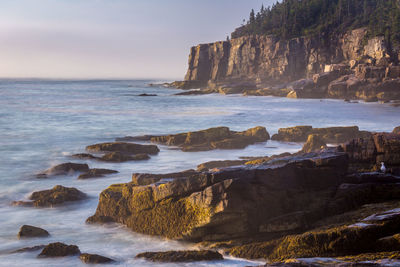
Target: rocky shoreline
<point>323,201</point>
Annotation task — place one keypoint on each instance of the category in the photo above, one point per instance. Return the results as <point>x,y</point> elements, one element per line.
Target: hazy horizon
<point>100,39</point>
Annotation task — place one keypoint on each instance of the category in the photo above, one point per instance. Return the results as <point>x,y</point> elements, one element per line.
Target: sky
<point>117,39</point>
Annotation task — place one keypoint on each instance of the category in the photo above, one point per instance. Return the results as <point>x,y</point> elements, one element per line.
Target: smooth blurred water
<point>42,123</point>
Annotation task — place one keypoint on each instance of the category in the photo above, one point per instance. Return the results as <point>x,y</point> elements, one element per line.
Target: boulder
<point>293,134</point>
<point>29,249</point>
<point>94,258</point>
<point>127,148</point>
<point>314,143</point>
<point>59,250</point>
<point>396,130</point>
<point>214,138</point>
<point>64,169</point>
<point>181,256</point>
<point>96,173</point>
<point>337,89</point>
<point>364,72</point>
<point>32,231</point>
<point>324,79</point>
<point>55,196</point>
<point>226,204</point>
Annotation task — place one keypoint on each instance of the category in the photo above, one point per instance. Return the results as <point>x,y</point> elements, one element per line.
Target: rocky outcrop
<point>64,169</point>
<point>214,138</point>
<point>96,173</point>
<point>32,231</point>
<point>94,259</point>
<point>396,130</point>
<point>332,135</point>
<point>181,256</point>
<point>55,196</point>
<point>368,153</point>
<point>231,203</point>
<point>59,250</point>
<point>314,143</point>
<point>300,67</point>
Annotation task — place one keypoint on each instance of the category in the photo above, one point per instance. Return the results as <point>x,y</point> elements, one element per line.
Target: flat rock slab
<point>32,231</point>
<point>96,173</point>
<point>94,258</point>
<point>59,250</point>
<point>181,256</point>
<point>29,249</point>
<point>127,148</point>
<point>64,169</point>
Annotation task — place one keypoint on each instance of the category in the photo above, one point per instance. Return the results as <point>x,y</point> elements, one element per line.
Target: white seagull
<point>383,168</point>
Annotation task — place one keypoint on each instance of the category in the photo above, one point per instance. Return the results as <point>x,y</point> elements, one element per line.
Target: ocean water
<point>43,122</point>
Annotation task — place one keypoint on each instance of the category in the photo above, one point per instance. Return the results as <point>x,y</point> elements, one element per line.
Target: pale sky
<point>111,38</point>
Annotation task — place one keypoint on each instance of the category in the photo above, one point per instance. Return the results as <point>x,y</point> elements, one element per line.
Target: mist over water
<point>42,123</point>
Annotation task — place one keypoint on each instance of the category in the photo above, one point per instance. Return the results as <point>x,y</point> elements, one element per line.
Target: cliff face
<point>268,59</point>
<point>254,62</point>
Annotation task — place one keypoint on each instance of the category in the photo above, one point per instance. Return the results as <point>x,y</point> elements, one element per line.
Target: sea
<point>44,122</point>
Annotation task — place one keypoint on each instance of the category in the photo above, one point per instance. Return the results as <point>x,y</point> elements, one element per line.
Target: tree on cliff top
<point>325,18</point>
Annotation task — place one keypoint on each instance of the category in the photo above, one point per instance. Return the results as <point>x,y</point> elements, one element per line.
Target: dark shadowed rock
<point>94,258</point>
<point>29,249</point>
<point>84,156</point>
<point>55,196</point>
<point>127,148</point>
<point>122,157</point>
<point>64,169</point>
<point>59,250</point>
<point>147,95</point>
<point>314,143</point>
<point>32,231</point>
<point>149,178</point>
<point>95,173</point>
<point>181,256</point>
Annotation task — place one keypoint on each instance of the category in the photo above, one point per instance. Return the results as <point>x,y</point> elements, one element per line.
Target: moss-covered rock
<point>314,143</point>
<point>181,256</point>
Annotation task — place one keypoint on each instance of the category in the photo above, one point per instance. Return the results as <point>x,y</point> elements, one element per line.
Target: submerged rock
<point>214,138</point>
<point>59,250</point>
<point>29,249</point>
<point>181,256</point>
<point>96,173</point>
<point>32,231</point>
<point>64,169</point>
<point>127,148</point>
<point>94,258</point>
<point>147,95</point>
<point>55,196</point>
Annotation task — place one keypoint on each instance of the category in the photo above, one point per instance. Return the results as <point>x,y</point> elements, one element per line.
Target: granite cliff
<point>352,65</point>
